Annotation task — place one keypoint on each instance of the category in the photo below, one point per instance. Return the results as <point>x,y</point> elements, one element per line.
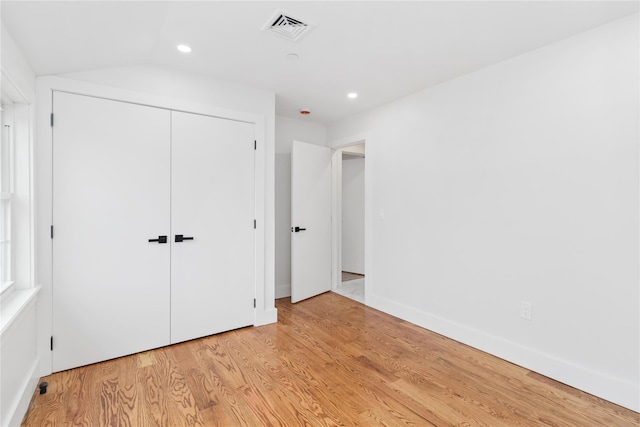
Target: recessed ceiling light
<point>292,56</point>
<point>352,95</point>
<point>184,48</point>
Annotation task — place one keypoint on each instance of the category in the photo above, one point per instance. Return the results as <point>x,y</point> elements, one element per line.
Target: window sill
<point>6,289</point>
<point>13,304</point>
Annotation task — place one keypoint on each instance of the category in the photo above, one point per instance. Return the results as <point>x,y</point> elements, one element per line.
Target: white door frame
<point>336,239</point>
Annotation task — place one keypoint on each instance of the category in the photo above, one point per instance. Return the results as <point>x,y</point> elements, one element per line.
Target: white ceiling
<point>383,50</point>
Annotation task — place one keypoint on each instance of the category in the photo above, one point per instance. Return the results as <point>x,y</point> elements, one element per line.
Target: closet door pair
<point>152,235</point>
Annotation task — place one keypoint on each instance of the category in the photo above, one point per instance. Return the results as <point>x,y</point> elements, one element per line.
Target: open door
<point>310,220</point>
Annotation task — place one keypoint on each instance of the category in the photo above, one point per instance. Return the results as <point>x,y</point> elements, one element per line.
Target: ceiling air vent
<point>285,25</point>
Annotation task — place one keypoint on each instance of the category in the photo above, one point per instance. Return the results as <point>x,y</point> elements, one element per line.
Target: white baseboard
<point>621,391</point>
<point>283,290</point>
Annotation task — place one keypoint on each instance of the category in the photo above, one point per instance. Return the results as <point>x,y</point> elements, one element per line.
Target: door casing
<point>336,232</point>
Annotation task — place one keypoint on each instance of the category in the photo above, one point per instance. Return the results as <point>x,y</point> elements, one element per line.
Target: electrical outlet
<point>525,310</point>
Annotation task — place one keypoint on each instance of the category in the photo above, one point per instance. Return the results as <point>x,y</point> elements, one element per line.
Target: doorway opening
<point>351,234</point>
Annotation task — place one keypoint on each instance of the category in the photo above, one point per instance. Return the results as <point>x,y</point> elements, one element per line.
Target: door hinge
<point>255,224</point>
<point>52,231</point>
<point>51,119</point>
<point>51,342</point>
<point>255,144</point>
<point>254,303</point>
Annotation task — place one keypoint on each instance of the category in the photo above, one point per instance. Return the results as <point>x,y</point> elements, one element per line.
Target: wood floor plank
<point>329,361</point>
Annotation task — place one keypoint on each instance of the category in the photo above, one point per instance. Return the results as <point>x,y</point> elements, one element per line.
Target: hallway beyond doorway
<point>352,286</point>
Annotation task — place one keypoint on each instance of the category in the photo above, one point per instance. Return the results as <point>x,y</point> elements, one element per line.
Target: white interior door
<point>310,220</point>
<point>213,274</point>
<point>110,196</point>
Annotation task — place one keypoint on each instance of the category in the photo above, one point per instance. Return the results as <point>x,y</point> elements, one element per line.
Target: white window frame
<point>17,112</point>
<point>7,265</point>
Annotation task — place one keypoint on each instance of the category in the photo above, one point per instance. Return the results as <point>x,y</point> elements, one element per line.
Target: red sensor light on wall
<point>305,112</point>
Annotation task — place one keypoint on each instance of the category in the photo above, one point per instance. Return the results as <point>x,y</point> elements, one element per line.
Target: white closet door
<point>111,185</point>
<point>212,275</point>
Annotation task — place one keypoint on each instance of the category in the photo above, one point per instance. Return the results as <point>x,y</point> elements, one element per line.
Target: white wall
<point>15,68</point>
<point>353,215</point>
<point>286,131</point>
<point>19,355</point>
<point>181,85</point>
<point>518,182</point>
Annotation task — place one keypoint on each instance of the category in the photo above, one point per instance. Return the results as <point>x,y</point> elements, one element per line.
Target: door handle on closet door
<point>180,238</point>
<point>297,229</point>
<point>160,239</point>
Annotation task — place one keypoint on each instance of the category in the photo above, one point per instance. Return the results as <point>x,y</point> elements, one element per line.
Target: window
<point>6,198</point>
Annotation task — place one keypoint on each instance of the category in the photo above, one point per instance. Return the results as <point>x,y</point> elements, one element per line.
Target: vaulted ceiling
<point>383,50</point>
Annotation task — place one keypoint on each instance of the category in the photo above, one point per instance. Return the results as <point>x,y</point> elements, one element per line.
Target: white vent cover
<point>287,26</point>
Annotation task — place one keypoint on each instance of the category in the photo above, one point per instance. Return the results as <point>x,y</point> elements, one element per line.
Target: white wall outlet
<point>525,310</point>
<point>381,214</point>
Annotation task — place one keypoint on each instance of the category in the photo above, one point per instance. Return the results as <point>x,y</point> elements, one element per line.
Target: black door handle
<point>180,238</point>
<point>297,229</point>
<point>160,239</point>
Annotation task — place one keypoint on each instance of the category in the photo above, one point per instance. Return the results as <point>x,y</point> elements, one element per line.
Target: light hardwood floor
<point>328,361</point>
